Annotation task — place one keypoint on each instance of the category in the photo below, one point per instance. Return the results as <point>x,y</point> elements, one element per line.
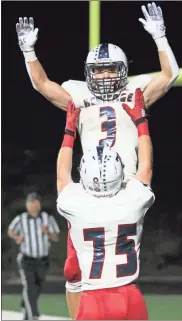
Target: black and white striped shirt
<point>35,244</point>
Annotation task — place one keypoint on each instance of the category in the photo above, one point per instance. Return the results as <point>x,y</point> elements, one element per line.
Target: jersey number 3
<point>123,246</point>
<point>108,126</point>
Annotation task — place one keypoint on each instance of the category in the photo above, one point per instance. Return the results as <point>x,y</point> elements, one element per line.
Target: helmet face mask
<point>101,171</point>
<point>105,87</point>
<point>106,72</point>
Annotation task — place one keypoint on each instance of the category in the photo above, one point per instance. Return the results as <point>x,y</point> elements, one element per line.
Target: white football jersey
<point>106,232</point>
<point>103,122</point>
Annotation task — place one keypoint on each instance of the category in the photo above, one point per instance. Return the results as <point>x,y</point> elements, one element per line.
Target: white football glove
<point>27,35</point>
<point>154,23</point>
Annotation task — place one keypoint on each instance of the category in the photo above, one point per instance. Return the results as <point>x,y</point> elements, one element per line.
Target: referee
<point>32,231</point>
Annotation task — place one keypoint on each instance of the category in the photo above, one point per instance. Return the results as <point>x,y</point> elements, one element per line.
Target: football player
<point>102,119</point>
<point>106,220</point>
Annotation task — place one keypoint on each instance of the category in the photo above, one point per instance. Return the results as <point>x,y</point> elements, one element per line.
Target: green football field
<point>161,307</point>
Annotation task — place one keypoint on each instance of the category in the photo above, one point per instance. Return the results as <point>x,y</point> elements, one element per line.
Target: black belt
<point>35,259</point>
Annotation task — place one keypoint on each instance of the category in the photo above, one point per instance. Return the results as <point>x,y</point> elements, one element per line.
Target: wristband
<point>140,120</point>
<point>29,56</point>
<point>161,43</point>
<point>68,141</point>
<point>69,132</point>
<point>143,129</point>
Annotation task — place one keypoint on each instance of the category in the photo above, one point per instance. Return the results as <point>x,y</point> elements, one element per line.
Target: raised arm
<point>27,37</point>
<point>64,160</point>
<point>154,25</point>
<point>137,114</point>
<point>144,173</point>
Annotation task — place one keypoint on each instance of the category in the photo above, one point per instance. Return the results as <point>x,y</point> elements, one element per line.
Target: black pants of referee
<point>32,272</point>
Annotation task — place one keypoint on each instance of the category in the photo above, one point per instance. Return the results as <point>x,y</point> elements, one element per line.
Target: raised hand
<point>138,111</point>
<point>27,35</point>
<point>71,117</point>
<point>153,22</point>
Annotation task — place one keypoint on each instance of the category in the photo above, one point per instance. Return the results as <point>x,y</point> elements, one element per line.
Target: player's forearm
<point>65,160</point>
<point>64,167</point>
<point>169,66</point>
<point>27,37</point>
<point>35,70</point>
<point>155,26</point>
<point>144,172</point>
<point>49,89</point>
<point>38,74</point>
<point>164,80</point>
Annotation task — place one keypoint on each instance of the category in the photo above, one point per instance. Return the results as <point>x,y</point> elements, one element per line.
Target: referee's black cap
<point>33,197</point>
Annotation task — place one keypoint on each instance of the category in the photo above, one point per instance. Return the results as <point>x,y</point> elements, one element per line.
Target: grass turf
<point>161,307</point>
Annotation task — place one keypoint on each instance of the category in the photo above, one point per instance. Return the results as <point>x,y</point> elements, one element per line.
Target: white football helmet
<point>101,171</point>
<point>111,58</point>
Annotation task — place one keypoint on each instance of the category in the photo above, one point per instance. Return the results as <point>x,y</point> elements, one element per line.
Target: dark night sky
<point>29,121</point>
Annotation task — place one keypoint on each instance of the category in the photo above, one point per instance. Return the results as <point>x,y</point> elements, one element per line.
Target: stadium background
<point>32,132</point>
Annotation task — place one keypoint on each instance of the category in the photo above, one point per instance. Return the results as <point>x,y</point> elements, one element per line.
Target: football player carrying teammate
<point>102,119</point>
<point>106,220</point>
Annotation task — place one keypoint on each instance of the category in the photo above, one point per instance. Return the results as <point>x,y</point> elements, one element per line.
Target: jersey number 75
<point>123,246</point>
